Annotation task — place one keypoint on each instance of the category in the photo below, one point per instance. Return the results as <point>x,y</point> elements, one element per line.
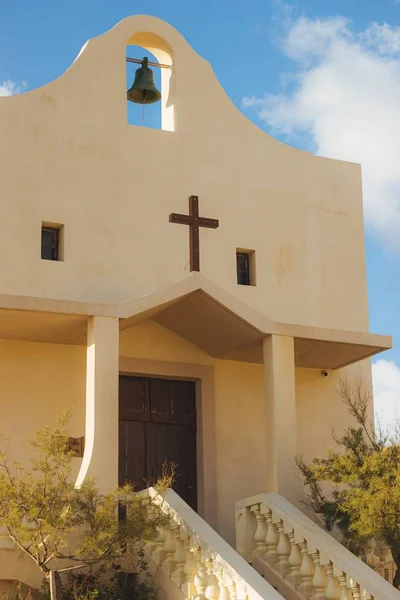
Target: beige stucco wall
<point>37,381</point>
<point>40,379</point>
<point>113,186</point>
<point>240,421</point>
<point>320,408</point>
<point>149,340</point>
<point>241,442</point>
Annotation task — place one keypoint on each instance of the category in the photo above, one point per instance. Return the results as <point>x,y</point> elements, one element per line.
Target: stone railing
<point>299,558</point>
<point>189,560</point>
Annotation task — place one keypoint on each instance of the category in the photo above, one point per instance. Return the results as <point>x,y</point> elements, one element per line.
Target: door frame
<point>203,376</point>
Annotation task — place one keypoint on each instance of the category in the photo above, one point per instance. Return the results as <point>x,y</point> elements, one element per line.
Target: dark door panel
<point>132,454</point>
<point>173,402</point>
<point>157,427</point>
<point>134,399</point>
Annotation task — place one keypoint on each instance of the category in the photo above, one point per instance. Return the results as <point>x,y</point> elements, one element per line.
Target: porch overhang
<point>198,311</point>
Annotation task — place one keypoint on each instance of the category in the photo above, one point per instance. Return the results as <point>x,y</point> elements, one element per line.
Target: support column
<point>281,426</point>
<point>100,459</point>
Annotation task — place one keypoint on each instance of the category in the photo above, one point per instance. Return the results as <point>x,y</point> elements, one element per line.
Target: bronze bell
<point>143,90</point>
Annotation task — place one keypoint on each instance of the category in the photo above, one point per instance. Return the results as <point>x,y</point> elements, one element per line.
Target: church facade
<point>193,293</point>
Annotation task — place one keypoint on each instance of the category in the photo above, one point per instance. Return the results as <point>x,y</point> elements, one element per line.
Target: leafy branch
<point>357,485</point>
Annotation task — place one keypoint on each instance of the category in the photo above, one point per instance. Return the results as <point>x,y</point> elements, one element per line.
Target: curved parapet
<point>68,157</point>
<point>94,85</point>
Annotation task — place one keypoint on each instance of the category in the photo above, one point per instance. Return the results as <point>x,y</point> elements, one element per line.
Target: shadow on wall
<point>11,588</point>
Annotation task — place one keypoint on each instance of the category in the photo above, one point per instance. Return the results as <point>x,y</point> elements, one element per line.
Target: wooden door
<point>157,424</point>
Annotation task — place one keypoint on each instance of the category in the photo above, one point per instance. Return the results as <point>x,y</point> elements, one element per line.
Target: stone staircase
<point>191,561</point>
<point>299,557</point>
<point>281,554</point>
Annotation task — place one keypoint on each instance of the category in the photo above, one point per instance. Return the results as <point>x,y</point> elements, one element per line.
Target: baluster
<point>159,554</point>
<point>345,593</point>
<point>149,547</point>
<point>241,590</point>
<point>356,592</point>
<point>261,531</point>
<point>283,551</point>
<point>306,571</point>
<point>332,591</point>
<point>294,562</point>
<point>178,576</point>
<point>223,590</point>
<point>190,570</point>
<point>271,540</point>
<point>169,550</point>
<point>320,579</point>
<point>200,579</point>
<point>232,590</point>
<point>212,589</point>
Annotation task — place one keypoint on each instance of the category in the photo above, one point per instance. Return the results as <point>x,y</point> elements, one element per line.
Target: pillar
<point>280,413</point>
<point>100,458</point>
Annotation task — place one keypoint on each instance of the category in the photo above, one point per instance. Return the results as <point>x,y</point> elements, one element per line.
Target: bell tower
<point>149,101</point>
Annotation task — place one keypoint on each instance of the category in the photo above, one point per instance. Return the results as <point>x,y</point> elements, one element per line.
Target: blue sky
<point>321,75</point>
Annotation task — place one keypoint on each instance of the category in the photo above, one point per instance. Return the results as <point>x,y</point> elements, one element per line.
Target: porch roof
<point>197,310</point>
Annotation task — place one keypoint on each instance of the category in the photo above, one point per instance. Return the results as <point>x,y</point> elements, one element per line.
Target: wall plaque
<point>76,446</point>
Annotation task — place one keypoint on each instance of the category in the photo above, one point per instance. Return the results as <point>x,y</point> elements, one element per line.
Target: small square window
<point>245,267</point>
<point>51,242</point>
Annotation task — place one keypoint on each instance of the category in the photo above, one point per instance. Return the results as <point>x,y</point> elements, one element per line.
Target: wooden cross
<point>194,222</point>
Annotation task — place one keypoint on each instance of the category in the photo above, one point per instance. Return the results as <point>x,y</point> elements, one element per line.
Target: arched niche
<point>162,51</point>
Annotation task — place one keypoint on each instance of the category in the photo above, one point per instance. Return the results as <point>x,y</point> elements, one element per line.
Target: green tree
<point>362,476</point>
<point>64,529</point>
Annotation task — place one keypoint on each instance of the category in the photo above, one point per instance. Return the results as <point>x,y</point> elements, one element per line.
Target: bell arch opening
<point>149,93</point>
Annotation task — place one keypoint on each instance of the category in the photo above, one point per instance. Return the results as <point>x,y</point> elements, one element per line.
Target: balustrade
<point>302,560</point>
<point>194,563</point>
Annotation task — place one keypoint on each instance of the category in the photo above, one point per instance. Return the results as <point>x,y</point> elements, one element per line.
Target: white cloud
<point>9,88</point>
<point>343,101</point>
<point>309,39</point>
<point>383,38</point>
<point>386,385</point>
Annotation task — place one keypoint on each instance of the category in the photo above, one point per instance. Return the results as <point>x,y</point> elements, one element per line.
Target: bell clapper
<point>144,104</point>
